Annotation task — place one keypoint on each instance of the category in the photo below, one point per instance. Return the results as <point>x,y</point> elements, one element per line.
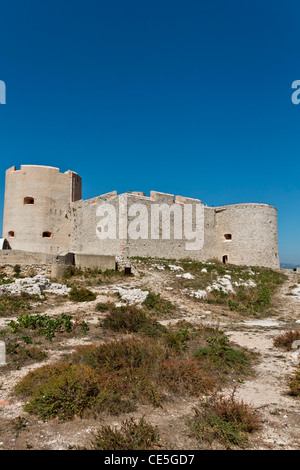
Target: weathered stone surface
<point>2,353</point>
<point>34,286</point>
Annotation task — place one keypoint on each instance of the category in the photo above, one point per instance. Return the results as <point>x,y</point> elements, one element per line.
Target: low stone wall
<point>32,264</point>
<point>54,266</point>
<point>14,257</point>
<point>101,262</point>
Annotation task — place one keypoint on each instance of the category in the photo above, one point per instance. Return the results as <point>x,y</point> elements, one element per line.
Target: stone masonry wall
<point>36,208</point>
<point>252,227</point>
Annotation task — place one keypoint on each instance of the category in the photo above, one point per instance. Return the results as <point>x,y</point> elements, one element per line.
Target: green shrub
<point>294,383</point>
<point>17,270</point>
<point>133,320</point>
<point>152,329</point>
<point>157,305</point>
<point>221,355</point>
<point>124,318</point>
<point>129,353</point>
<point>130,436</point>
<point>224,419</point>
<point>5,280</point>
<point>186,377</point>
<point>81,294</point>
<point>177,340</point>
<point>59,391</point>
<point>104,307</point>
<point>43,324</point>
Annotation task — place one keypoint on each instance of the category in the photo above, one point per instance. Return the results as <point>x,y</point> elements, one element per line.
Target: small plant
<point>221,355</point>
<point>177,340</point>
<point>224,419</point>
<point>43,324</point>
<point>130,436</point>
<point>131,319</point>
<point>5,280</point>
<point>104,306</point>
<point>18,424</point>
<point>18,354</point>
<point>186,377</point>
<point>156,305</point>
<point>285,340</point>
<point>294,383</point>
<point>81,294</point>
<point>13,303</point>
<point>17,270</point>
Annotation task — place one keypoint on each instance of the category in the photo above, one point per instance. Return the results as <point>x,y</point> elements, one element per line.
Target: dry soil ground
<point>266,389</point>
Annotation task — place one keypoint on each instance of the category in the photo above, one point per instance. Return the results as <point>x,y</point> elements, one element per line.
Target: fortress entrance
<point>225,259</point>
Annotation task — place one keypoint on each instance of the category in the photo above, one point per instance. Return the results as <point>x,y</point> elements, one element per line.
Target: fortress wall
<point>172,247</point>
<point>84,222</point>
<point>253,228</point>
<point>51,192</point>
<point>56,207</point>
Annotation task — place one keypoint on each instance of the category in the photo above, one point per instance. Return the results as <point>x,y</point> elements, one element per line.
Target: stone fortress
<point>46,221</point>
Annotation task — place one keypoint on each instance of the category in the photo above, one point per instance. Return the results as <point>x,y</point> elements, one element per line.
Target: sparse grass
<point>12,304</point>
<point>224,419</point>
<point>92,276</point>
<point>246,298</point>
<point>286,339</point>
<point>130,436</point>
<point>18,354</point>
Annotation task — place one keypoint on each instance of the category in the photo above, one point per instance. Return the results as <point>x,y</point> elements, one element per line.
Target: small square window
<point>28,201</point>
<point>47,234</point>
<point>228,236</point>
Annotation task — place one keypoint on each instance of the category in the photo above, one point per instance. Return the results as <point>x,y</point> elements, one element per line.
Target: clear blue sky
<point>187,97</point>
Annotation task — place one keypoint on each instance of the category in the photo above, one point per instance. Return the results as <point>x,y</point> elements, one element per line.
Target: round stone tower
<point>247,234</point>
<point>37,208</point>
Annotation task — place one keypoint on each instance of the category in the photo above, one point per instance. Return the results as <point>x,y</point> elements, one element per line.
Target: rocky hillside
<point>188,355</point>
